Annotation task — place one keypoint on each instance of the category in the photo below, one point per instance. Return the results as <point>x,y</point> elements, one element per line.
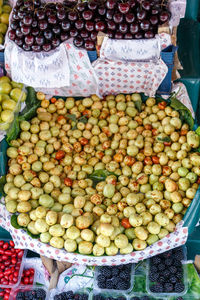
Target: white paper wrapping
<point>125,77</point>
<point>177,9</point>
<point>66,71</point>
<point>131,50</point>
<point>23,241</point>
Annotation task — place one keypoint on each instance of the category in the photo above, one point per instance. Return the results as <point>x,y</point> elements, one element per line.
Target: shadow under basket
<point>92,55</point>
<point>167,56</point>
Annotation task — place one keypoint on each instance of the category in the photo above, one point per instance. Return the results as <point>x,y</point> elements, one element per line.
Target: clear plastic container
<point>24,288</point>
<point>173,294</point>
<point>139,284</point>
<point>28,266</point>
<point>98,289</point>
<point>20,270</point>
<point>55,292</point>
<point>108,295</point>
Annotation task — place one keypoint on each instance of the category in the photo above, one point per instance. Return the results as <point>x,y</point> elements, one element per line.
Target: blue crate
<point>92,55</point>
<point>167,56</point>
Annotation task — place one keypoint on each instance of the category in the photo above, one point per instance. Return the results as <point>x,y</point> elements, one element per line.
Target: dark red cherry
<point>73,32</point>
<point>21,14</point>
<point>89,25</point>
<point>123,28</point>
<point>28,4</point>
<point>78,41</point>
<point>27,20</point>
<point>139,35</point>
<point>93,35</point>
<point>26,47</point>
<point>134,28</point>
<point>52,19</point>
<point>110,4</point>
<point>46,47</point>
<point>43,24</point>
<point>109,14</point>
<point>59,6</point>
<point>84,33</point>
<point>110,34</point>
<point>87,15</point>
<point>111,25</point>
<point>89,45</point>
<point>141,15</point>
<point>72,16</point>
<point>124,7</point>
<point>92,5</point>
<point>11,35</point>
<point>18,41</point>
<point>15,16</point>
<point>149,35</point>
<point>101,10</point>
<point>36,48</point>
<point>153,20</point>
<point>13,25</point>
<point>100,26</point>
<point>61,14</point>
<point>146,5</point>
<point>40,14</point>
<point>118,18</point>
<point>18,33</point>
<point>26,29</point>
<point>64,36</point>
<point>48,11</point>
<point>56,29</point>
<point>40,40</point>
<point>118,35</point>
<point>130,17</point>
<point>155,10</point>
<point>144,25</point>
<point>128,36</point>
<point>34,24</point>
<point>79,24</point>
<point>29,40</point>
<point>35,31</point>
<point>48,34</point>
<point>55,42</point>
<point>132,3</point>
<point>164,16</point>
<point>81,6</point>
<point>66,25</point>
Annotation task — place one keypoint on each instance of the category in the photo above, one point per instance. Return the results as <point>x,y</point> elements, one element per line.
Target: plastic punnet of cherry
<point>38,26</point>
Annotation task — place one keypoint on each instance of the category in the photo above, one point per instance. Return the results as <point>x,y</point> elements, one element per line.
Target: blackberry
<point>135,298</point>
<point>102,285</point>
<point>167,254</point>
<point>172,269</point>
<point>109,284</point>
<point>20,296</point>
<point>69,295</point>
<point>40,294</point>
<point>173,279</point>
<point>179,275</point>
<point>120,267</point>
<point>76,297</point>
<point>115,280</point>
<point>156,260</point>
<point>122,285</point>
<point>128,267</point>
<point>161,267</point>
<point>168,287</point>
<point>179,287</point>
<point>157,288</point>
<point>105,271</point>
<point>179,255</point>
<point>153,276</point>
<point>115,271</point>
<point>177,263</point>
<point>57,297</point>
<point>166,273</point>
<point>168,261</point>
<point>101,278</point>
<point>84,297</point>
<point>124,274</point>
<point>121,298</point>
<point>153,269</point>
<point>161,279</point>
<point>98,297</point>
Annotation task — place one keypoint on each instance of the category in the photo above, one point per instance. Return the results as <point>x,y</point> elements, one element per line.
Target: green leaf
<point>14,222</point>
<point>159,99</point>
<point>100,175</point>
<point>72,117</point>
<point>2,183</point>
<point>32,103</point>
<point>138,105</point>
<point>164,139</point>
<point>198,130</point>
<point>184,112</point>
<point>83,119</point>
<point>34,236</point>
<point>13,131</point>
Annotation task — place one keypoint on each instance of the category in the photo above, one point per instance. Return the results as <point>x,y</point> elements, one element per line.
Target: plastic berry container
<point>38,292</point>
<point>6,257</point>
<point>105,295</point>
<point>139,284</point>
<point>112,290</point>
<point>183,280</point>
<point>28,275</point>
<point>55,292</point>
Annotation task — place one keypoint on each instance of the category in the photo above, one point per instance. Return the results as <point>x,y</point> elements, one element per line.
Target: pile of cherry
<point>10,263</point>
<point>36,26</point>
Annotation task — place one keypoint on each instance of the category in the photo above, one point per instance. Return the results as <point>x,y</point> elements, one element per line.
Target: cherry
<point>92,5</point>
<point>144,25</point>
<point>109,14</point>
<point>48,34</point>
<point>28,4</point>
<point>118,35</point>
<point>139,35</point>
<point>19,33</point>
<point>123,28</point>
<point>13,25</point>
<point>164,16</point>
<point>110,34</point>
<point>87,15</point>
<point>48,11</point>
<point>130,17</point>
<point>78,41</point>
<point>89,26</point>
<point>134,28</point>
<point>124,7</point>
<point>100,26</point>
<point>40,40</point>
<point>118,18</point>
<point>59,6</point>
<point>11,35</point>
<point>84,34</point>
<point>52,19</point>
<point>72,16</point>
<point>64,36</point>
<point>110,4</point>
<point>36,48</point>
<point>128,36</point>
<point>89,45</point>
<point>155,10</point>
<point>111,25</point>
<point>34,24</point>
<point>153,20</point>
<point>43,24</point>
<point>55,43</point>
<point>81,6</point>
<point>93,35</point>
<point>149,35</point>
<point>146,5</point>
<point>15,16</point>
<point>61,15</point>
<point>101,10</point>
<point>56,30</point>
<point>46,47</point>
<point>132,3</point>
<point>29,40</point>
<point>21,14</point>
<point>73,32</point>
<point>35,31</point>
<point>27,20</point>
<point>79,24</point>
<point>40,14</point>
<point>26,30</point>
<point>66,25</point>
<point>141,15</point>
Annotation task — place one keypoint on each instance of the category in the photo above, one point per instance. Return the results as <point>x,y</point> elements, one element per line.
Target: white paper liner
<point>177,9</point>
<point>125,77</point>
<point>23,241</point>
